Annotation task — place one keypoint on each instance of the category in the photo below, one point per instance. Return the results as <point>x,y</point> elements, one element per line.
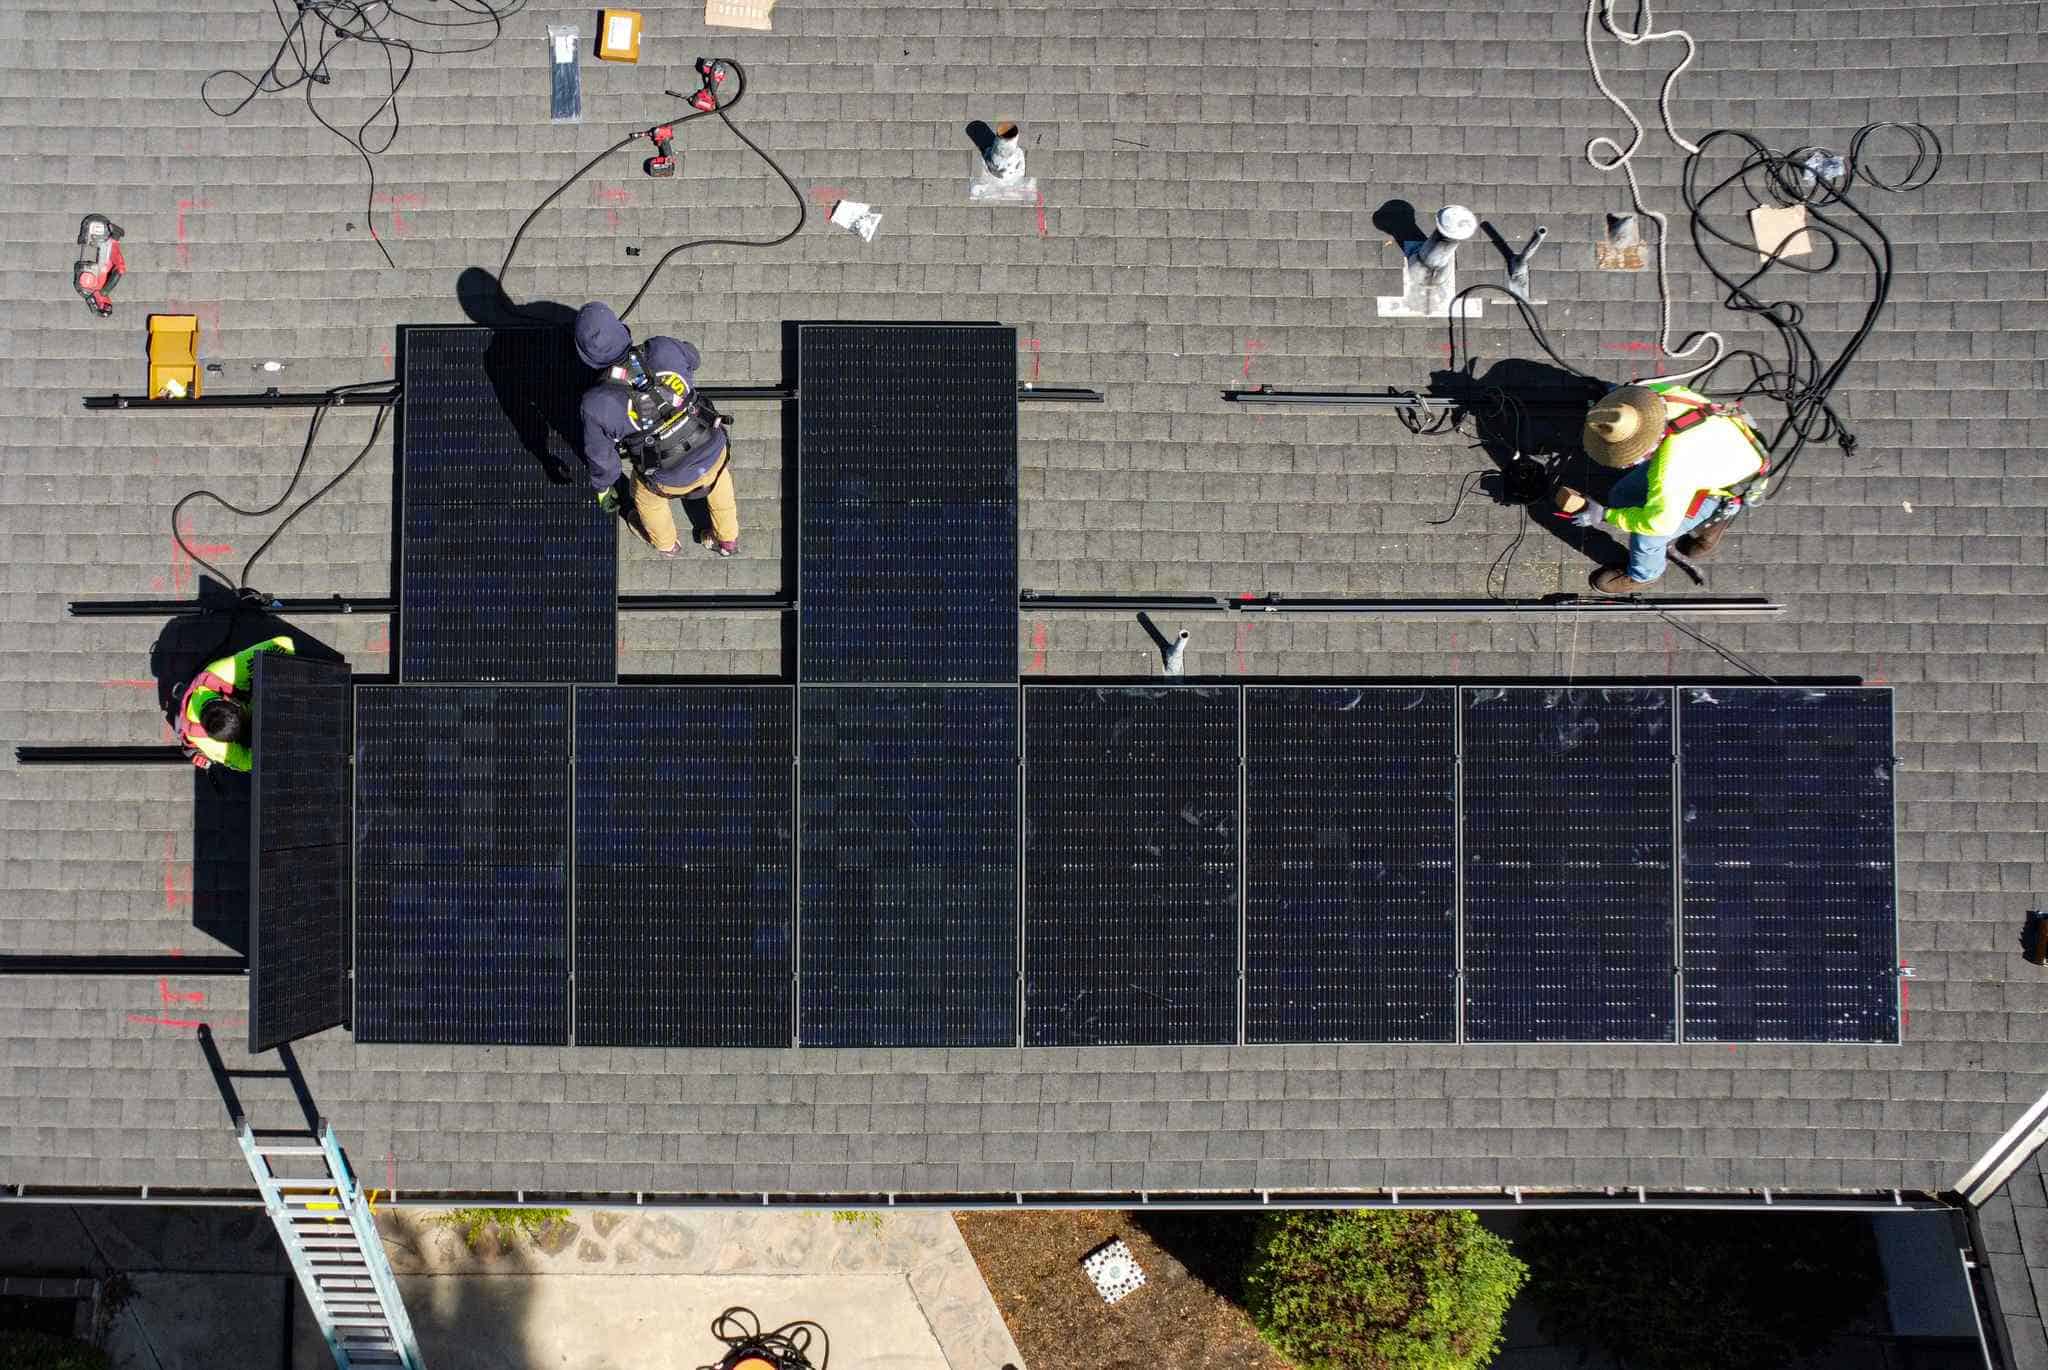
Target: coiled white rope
<point>1604,154</point>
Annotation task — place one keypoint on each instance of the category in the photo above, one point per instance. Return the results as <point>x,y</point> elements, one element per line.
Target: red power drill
<point>663,162</point>
<point>99,263</point>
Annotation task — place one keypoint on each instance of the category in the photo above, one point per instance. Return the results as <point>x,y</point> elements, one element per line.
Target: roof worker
<point>214,723</point>
<point>648,410</point>
<point>1681,456</point>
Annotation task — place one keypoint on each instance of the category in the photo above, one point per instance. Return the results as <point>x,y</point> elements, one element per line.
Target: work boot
<point>1614,580</point>
<point>709,541</point>
<point>1701,542</point>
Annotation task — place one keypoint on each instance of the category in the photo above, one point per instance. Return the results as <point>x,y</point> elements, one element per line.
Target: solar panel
<point>908,919</point>
<point>907,486</point>
<point>1350,864</point>
<point>683,855</point>
<point>1790,919</point>
<point>462,911</point>
<point>507,569</point>
<point>300,833</point>
<point>1568,865</point>
<point>1130,865</point>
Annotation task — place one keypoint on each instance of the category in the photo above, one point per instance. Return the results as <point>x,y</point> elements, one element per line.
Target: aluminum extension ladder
<point>323,1218</point>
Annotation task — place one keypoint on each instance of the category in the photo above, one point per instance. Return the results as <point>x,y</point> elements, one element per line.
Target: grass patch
<point>508,1223</point>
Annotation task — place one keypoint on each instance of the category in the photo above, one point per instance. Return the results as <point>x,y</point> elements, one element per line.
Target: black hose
<point>721,110</point>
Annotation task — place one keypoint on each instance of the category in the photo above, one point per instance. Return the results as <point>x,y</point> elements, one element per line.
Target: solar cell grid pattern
<point>683,865</point>
<point>1350,864</point>
<point>908,918</point>
<point>1790,930</point>
<point>505,574</point>
<point>1568,865</point>
<point>299,902</point>
<point>907,482</point>
<point>1130,866</point>
<point>462,820</point>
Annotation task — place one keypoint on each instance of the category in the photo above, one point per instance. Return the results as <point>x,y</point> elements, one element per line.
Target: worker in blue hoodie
<point>648,431</point>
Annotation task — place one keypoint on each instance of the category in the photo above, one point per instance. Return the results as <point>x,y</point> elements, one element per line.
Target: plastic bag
<point>565,103</point>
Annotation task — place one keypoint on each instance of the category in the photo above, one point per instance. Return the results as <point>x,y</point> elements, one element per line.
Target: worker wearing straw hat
<point>1679,454</point>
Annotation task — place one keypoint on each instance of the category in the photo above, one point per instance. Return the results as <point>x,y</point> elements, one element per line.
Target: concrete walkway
<point>638,1290</point>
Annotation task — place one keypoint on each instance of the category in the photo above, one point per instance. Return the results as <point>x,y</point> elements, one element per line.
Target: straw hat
<point>1625,426</point>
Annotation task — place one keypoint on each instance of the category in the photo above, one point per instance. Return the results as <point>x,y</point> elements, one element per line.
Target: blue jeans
<point>1646,555</point>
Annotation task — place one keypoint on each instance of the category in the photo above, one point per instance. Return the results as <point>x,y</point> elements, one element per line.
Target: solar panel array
<point>507,568</point>
<point>462,859</point>
<point>907,487</point>
<point>1130,865</point>
<point>1789,904</point>
<point>908,917</point>
<point>683,865</point>
<point>299,799</point>
<point>1351,925</point>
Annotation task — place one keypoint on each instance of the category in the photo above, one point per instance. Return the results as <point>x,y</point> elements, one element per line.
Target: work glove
<point>608,500</point>
<point>1588,515</point>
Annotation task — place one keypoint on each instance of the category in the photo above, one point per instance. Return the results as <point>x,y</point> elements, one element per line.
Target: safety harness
<point>670,417</point>
<point>1691,414</point>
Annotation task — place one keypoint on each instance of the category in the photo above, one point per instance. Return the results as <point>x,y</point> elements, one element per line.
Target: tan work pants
<point>657,521</point>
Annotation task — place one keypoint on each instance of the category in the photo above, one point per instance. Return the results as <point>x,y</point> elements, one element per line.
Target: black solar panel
<point>1568,865</point>
<point>683,855</point>
<point>1350,864</point>
<point>1130,865</point>
<point>907,482</point>
<point>1790,923</point>
<point>462,912</point>
<point>908,920</point>
<point>507,572</point>
<point>300,832</point>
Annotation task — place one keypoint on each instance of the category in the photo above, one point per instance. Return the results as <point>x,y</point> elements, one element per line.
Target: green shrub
<point>1378,1289</point>
<point>508,1223</point>
<point>1700,1291</point>
<point>22,1350</point>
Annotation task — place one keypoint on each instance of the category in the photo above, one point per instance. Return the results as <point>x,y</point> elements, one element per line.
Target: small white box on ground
<point>1113,1270</point>
<point>856,217</point>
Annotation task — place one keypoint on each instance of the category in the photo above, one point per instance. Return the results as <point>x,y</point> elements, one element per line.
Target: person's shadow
<point>221,817</point>
<point>1528,417</point>
<point>540,388</point>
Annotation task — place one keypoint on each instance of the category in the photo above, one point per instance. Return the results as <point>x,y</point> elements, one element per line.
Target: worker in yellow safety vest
<point>1680,454</point>
<point>214,723</point>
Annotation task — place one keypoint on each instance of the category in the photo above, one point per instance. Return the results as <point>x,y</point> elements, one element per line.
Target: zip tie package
<point>565,103</point>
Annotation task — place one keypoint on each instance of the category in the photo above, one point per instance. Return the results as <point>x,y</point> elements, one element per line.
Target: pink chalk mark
<point>185,252</point>
<point>1041,214</point>
<point>382,646</point>
<point>1252,347</point>
<point>611,197</point>
<point>390,362</point>
<point>1037,647</point>
<point>824,197</point>
<point>174,897</point>
<point>131,683</point>
<point>178,996</point>
<point>1244,639</point>
<point>1905,1001</point>
<point>1034,345</point>
<point>399,202</point>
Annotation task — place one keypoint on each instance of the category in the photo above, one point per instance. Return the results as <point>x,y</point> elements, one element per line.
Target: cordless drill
<point>663,162</point>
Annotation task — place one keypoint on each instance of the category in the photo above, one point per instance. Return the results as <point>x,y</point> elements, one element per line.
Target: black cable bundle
<point>787,1347</point>
<point>721,110</point>
<point>1803,382</point>
<point>313,29</point>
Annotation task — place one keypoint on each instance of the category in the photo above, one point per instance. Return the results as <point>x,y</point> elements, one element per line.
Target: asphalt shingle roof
<point>1209,172</point>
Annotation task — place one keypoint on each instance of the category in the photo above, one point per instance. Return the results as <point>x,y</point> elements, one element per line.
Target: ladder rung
<point>357,1320</point>
<point>290,1151</point>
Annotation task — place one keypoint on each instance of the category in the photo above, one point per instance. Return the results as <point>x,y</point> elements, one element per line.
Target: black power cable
<point>240,584</point>
<point>787,1347</point>
<point>314,29</point>
<point>722,111</point>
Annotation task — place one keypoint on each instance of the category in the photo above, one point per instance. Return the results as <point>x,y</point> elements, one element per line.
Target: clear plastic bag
<point>565,102</point>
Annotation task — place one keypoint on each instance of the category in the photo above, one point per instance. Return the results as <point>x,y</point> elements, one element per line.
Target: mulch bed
<point>1186,1315</point>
